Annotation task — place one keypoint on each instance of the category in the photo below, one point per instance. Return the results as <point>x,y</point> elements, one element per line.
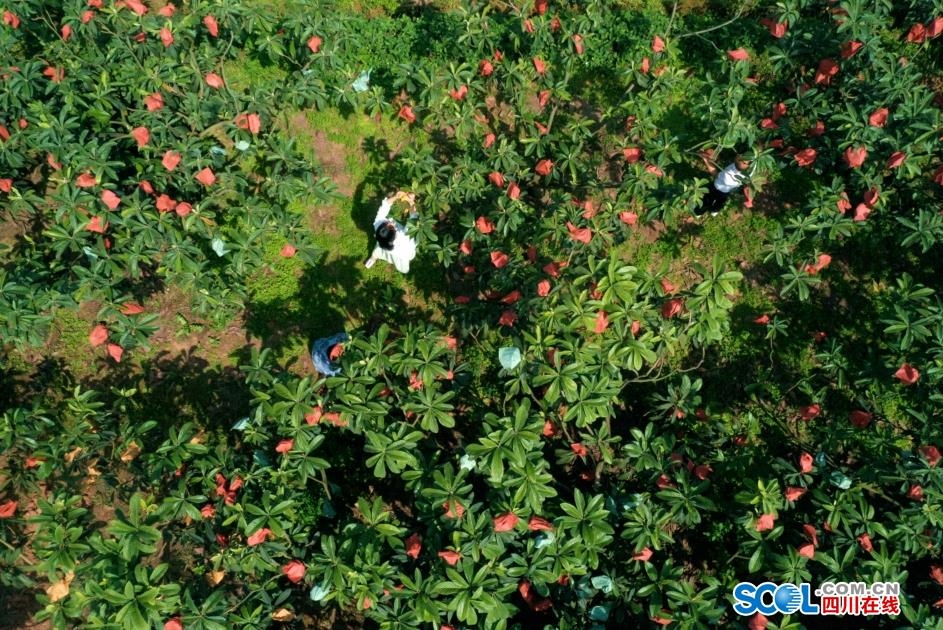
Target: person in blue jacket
<point>321,354</point>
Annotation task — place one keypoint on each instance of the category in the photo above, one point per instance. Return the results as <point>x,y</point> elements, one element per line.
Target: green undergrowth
<point>734,235</point>
<point>70,331</point>
<point>246,72</point>
<point>368,7</point>
<point>366,141</point>
<point>278,7</point>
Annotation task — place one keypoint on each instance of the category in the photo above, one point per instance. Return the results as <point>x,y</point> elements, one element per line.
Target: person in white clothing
<point>726,181</point>
<point>393,244</point>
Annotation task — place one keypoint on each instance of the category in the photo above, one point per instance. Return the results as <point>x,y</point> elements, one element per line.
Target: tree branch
<point>714,28</point>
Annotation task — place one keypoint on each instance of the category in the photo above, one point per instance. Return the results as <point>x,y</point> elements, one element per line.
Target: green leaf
<point>603,583</point>
<point>755,560</point>
<point>319,592</point>
<point>219,246</point>
<point>510,357</point>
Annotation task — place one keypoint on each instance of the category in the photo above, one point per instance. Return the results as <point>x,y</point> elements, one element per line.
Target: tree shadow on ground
<point>316,310</point>
<point>339,290</point>
<point>426,274</point>
<point>48,379</point>
<point>749,365</point>
<point>329,297</point>
<point>19,606</point>
<point>176,388</point>
<point>785,192</point>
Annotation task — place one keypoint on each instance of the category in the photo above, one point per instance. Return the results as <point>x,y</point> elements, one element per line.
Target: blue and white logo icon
<point>787,598</point>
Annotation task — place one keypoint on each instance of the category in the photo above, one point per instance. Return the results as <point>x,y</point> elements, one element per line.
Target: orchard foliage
<point>134,165</point>
<point>585,441</point>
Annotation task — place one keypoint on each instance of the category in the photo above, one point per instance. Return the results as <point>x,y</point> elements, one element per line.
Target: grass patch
<point>370,8</point>
<point>69,336</point>
<point>279,8</point>
<point>353,131</point>
<point>369,146</point>
<point>278,307</point>
<point>245,73</point>
<point>291,304</point>
<point>731,236</point>
<point>734,238</point>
